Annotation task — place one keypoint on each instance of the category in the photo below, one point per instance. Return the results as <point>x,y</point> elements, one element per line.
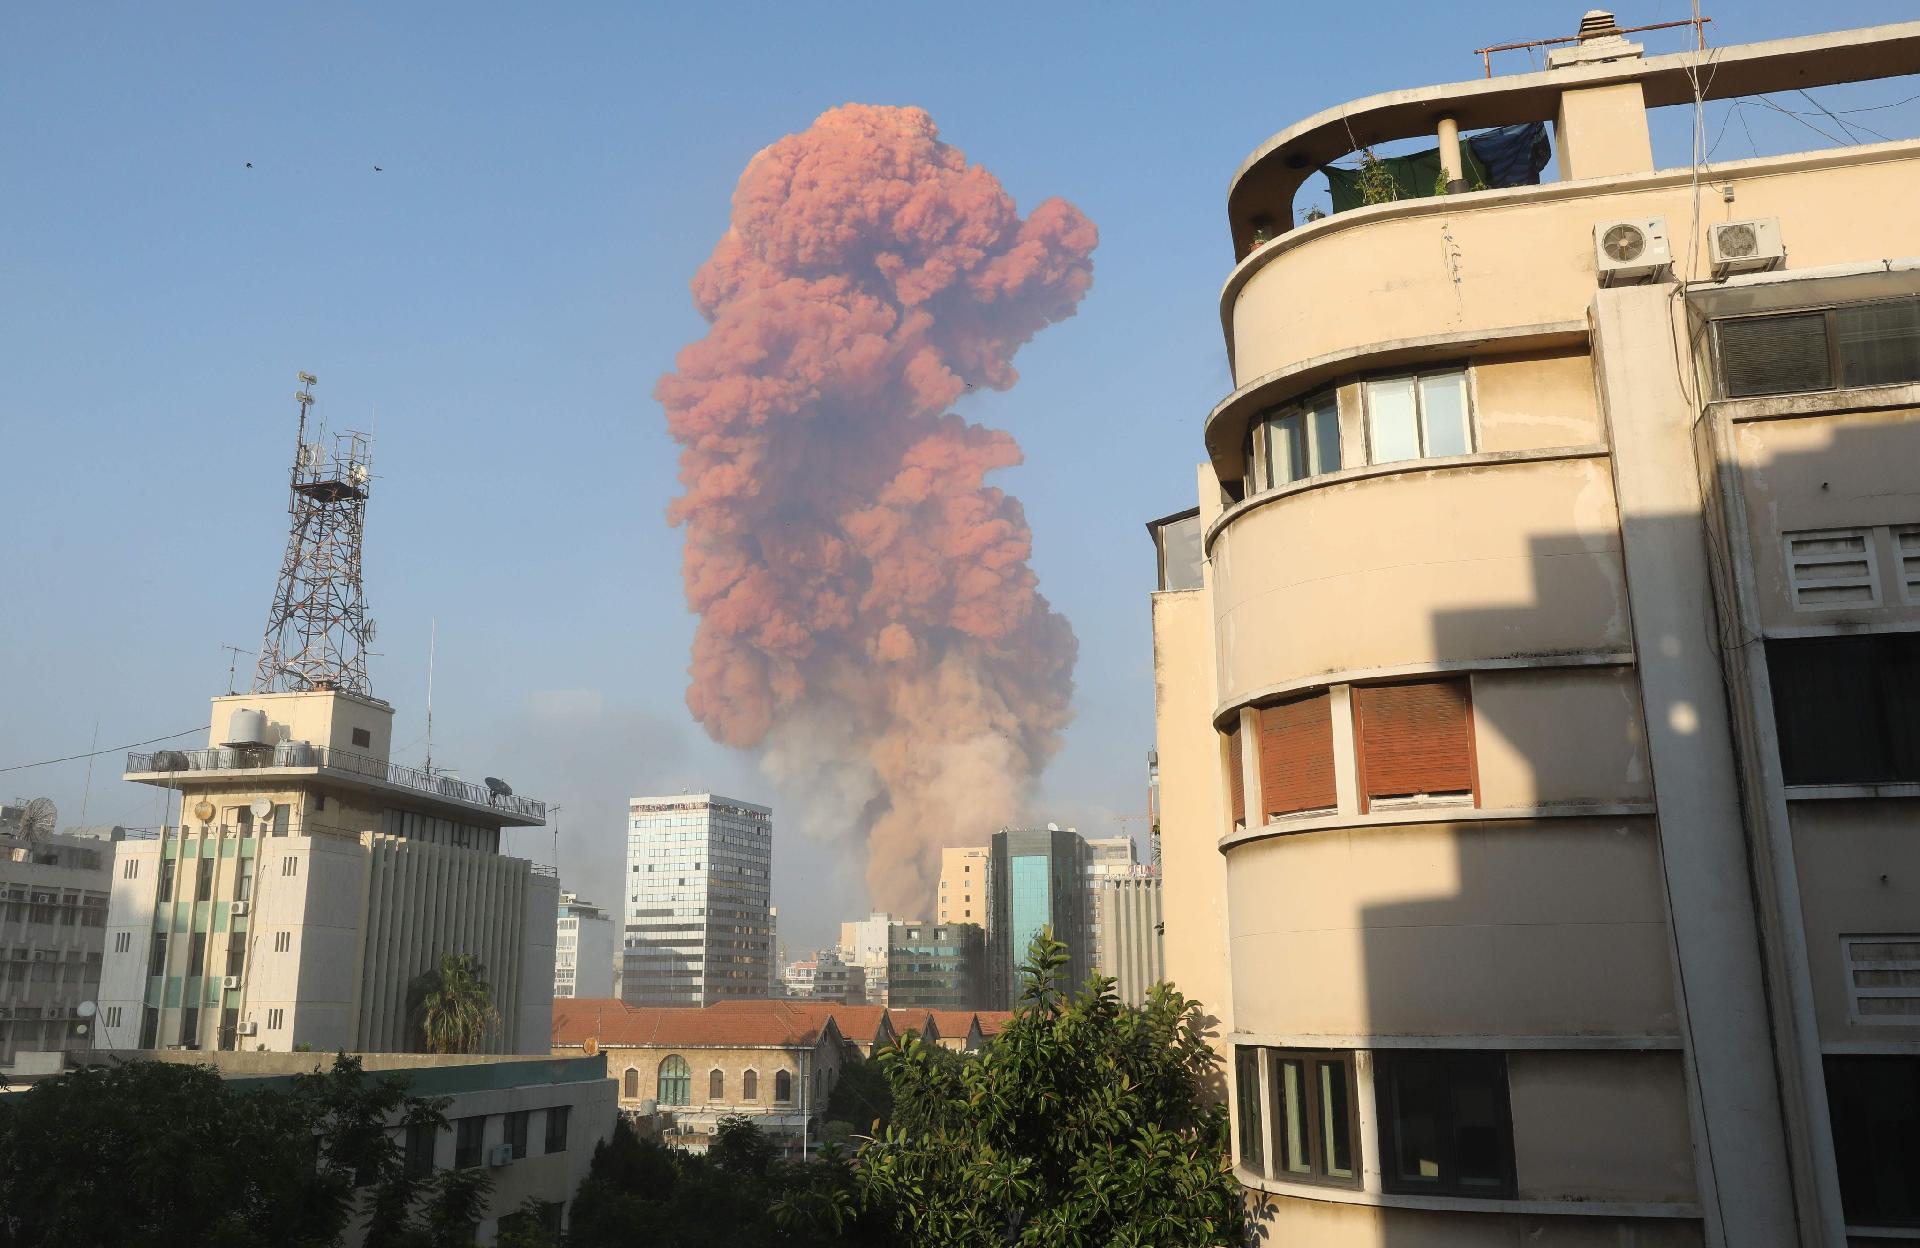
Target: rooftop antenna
<point>433,643</point>
<point>233,665</point>
<point>317,630</point>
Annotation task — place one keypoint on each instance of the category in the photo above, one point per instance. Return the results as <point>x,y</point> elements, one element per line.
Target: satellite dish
<point>499,787</point>
<point>261,808</point>
<point>204,811</point>
<point>86,1009</point>
<point>41,819</point>
<point>591,1047</point>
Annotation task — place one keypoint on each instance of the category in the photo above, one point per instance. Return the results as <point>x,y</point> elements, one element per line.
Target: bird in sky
<point>376,169</point>
<point>249,164</point>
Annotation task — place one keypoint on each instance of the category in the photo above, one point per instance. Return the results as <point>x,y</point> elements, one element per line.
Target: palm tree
<point>455,1005</point>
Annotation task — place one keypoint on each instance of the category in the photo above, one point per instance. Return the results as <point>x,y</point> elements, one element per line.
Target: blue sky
<point>501,298</point>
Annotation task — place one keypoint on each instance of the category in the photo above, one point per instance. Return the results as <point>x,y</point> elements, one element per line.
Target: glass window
<point>1323,433</point>
<point>1293,442</point>
<point>421,1138</point>
<point>1874,1104</point>
<point>1879,343</point>
<point>1246,1078</point>
<point>1847,709</point>
<point>1443,414</point>
<point>1313,1110</point>
<point>1420,416</point>
<point>1444,1123</point>
<point>750,1086</point>
<point>675,1081</point>
<point>716,1085</point>
<point>517,1122</point>
<point>782,1085</point>
<point>558,1118</point>
<point>468,1135</point>
<point>167,867</point>
<point>1393,420</point>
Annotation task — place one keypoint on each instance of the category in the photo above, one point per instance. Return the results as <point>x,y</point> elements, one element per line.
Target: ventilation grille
<point>1597,24</point>
<point>1906,551</point>
<point>1775,354</point>
<point>1883,978</point>
<point>1829,568</point>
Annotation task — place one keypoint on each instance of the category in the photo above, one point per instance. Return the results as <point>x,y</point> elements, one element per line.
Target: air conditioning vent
<point>247,1028</point>
<point>236,908</point>
<point>230,981</point>
<point>1745,246</point>
<point>1629,249</point>
<point>500,1155</point>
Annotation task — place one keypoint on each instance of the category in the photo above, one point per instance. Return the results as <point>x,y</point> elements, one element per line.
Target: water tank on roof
<point>247,727</point>
<point>293,754</point>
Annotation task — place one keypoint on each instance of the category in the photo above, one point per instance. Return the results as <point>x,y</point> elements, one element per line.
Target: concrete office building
<point>936,966</point>
<point>309,881</point>
<point>1125,920</point>
<point>963,886</point>
<point>1036,879</point>
<point>864,943</point>
<point>582,950</point>
<point>699,927</point>
<point>1535,679</point>
<point>53,916</point>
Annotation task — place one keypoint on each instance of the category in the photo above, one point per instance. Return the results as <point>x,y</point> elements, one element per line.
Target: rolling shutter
<point>1236,780</point>
<point>1775,354</point>
<point>1414,740</point>
<point>1296,756</point>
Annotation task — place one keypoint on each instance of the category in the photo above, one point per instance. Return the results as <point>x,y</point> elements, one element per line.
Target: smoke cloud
<point>868,620</point>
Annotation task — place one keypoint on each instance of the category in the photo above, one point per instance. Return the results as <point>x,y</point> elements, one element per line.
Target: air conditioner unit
<point>1744,246</point>
<point>1633,248</point>
<point>238,908</point>
<point>230,981</point>
<point>247,1028</point>
<point>500,1155</point>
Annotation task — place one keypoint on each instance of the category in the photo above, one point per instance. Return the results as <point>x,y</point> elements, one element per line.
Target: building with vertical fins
<point>306,880</point>
<point>699,923</point>
<point>1538,675</point>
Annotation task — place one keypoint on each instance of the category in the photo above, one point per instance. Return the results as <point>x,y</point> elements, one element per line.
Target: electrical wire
<point>109,750</point>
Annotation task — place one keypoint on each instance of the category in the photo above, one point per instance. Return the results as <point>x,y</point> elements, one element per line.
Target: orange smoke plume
<point>868,620</point>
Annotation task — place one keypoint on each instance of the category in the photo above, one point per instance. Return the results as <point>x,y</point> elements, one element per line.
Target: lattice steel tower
<point>318,631</point>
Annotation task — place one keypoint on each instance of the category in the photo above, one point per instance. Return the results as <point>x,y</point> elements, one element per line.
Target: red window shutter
<point>1414,739</point>
<point>1296,756</point>
<point>1236,780</point>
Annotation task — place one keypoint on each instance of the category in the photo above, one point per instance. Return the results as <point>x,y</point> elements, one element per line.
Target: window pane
<point>1477,1126</point>
<point>1292,1112</point>
<point>1324,417</point>
<point>1775,354</point>
<point>1879,343</point>
<point>1443,410</point>
<point>1391,426</point>
<point>1824,693</point>
<point>1874,1103</point>
<point>1286,451</point>
<point>1338,1149</point>
<point>1246,1077</point>
<point>1417,1104</point>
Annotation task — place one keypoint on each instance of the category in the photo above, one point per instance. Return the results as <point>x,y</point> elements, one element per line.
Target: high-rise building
<point>863,943</point>
<point>1107,856</point>
<point>939,966</point>
<point>1037,879</point>
<point>699,924</point>
<point>583,950</point>
<point>1535,677</point>
<point>963,886</point>
<point>1125,909</point>
<point>53,914</point>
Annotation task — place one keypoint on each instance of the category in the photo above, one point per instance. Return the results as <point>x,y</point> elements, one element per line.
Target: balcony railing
<point>301,754</point>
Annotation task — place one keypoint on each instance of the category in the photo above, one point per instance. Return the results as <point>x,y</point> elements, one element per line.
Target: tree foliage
<point>159,1154</point>
<point>454,1007</point>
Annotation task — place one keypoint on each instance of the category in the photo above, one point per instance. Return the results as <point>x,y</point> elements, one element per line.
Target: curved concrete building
<point>1537,689</point>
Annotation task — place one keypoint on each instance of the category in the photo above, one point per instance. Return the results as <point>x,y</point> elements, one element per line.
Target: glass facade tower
<point>1036,879</point>
<point>699,927</point>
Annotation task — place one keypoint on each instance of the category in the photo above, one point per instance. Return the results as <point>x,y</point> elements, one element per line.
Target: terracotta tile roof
<point>858,1023</point>
<point>953,1024</point>
<point>991,1021</point>
<point>615,1024</point>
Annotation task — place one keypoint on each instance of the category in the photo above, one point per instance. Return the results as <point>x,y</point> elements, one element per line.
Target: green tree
<point>861,1098</point>
<point>454,1008</point>
<point>162,1154</point>
<point>1081,1125</point>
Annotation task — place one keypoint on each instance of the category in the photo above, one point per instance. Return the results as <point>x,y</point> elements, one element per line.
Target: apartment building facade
<point>699,923</point>
<point>1535,676</point>
<point>583,946</point>
<point>936,966</point>
<point>309,882</point>
<point>963,885</point>
<point>53,916</point>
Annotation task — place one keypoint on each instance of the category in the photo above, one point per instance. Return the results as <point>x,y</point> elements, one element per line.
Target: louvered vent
<point>1597,24</point>
<point>1829,568</point>
<point>1775,354</point>
<point>1906,549</point>
<point>1883,978</point>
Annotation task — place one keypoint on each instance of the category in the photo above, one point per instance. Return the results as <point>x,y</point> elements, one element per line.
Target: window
<point>750,1086</point>
<point>157,956</point>
<point>1861,344</point>
<point>782,1086</point>
<point>1236,780</point>
<point>1418,417</point>
<point>1294,442</point>
<point>197,954</point>
<point>1246,1081</point>
<point>716,1086</point>
<point>1829,568</point>
<point>1847,709</point>
<point>167,866</point>
<point>1296,756</point>
<point>190,1027</point>
<point>132,870</point>
<point>675,1082</point>
<point>517,1124</point>
<point>1874,1105</point>
<point>1444,1123</point>
<point>557,1119</point>
<point>150,1028</point>
<point>282,941</point>
<point>289,866</point>
<point>203,881</point>
<point>1883,978</point>
<point>1414,740</point>
<point>1315,1116</point>
<point>468,1135</point>
<point>122,941</point>
<point>230,1028</point>
<point>236,954</point>
<point>275,1018</point>
<point>362,737</point>
<point>421,1139</point>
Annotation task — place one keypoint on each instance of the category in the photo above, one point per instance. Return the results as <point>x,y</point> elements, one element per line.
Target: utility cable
<point>115,749</point>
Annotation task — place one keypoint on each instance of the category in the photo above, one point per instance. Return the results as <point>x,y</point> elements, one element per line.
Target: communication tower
<point>318,631</point>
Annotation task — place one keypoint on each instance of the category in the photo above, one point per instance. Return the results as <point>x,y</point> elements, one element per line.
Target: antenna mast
<point>433,642</point>
<point>318,631</point>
